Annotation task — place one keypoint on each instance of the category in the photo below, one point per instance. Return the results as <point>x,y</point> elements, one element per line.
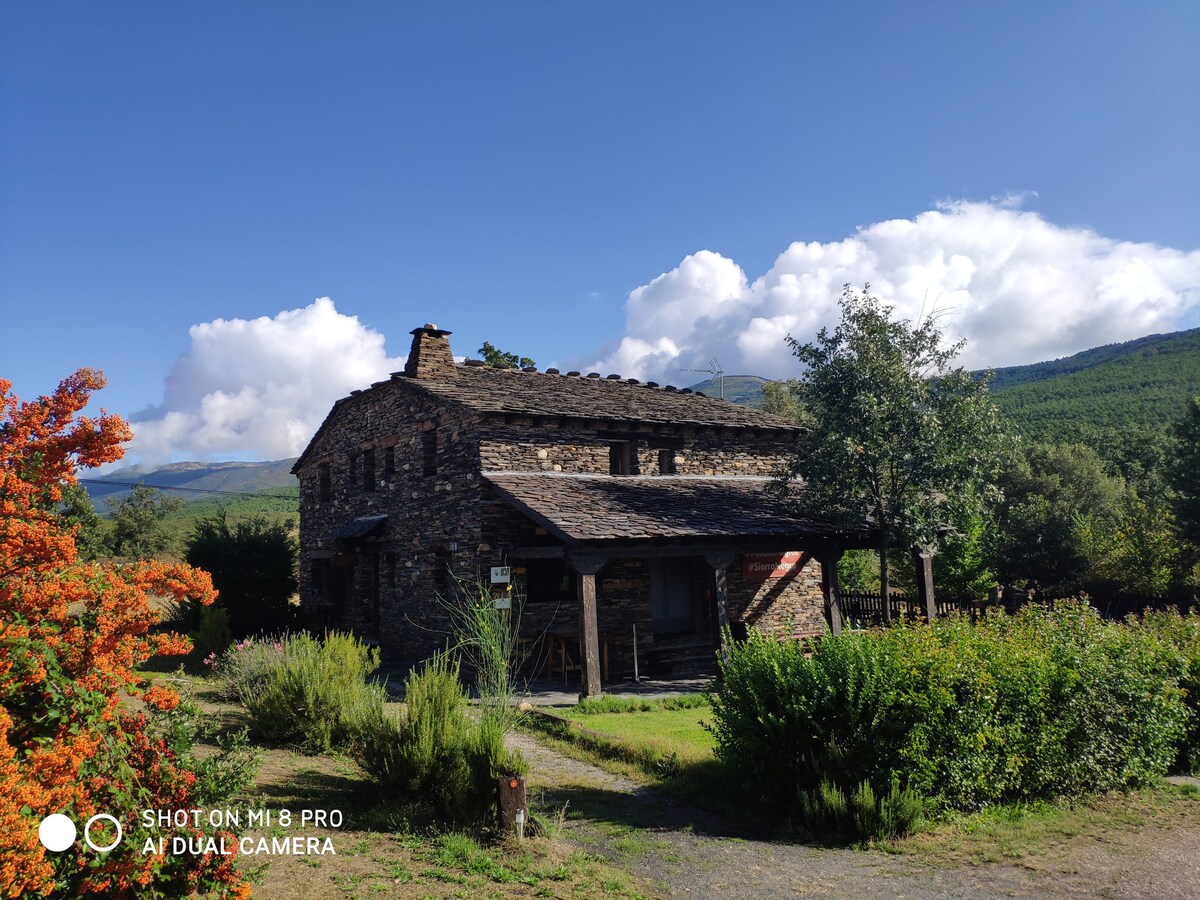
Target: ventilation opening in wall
<point>666,462</point>
<point>622,458</point>
<point>368,470</point>
<point>429,450</point>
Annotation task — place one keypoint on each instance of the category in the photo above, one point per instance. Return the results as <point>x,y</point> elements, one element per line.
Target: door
<point>673,595</point>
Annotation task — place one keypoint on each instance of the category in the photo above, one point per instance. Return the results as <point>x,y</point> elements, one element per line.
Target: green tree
<point>139,522</point>
<point>76,511</point>
<point>1138,557</point>
<point>1057,498</point>
<point>900,440</point>
<point>500,359</point>
<point>1185,474</point>
<point>963,569</point>
<point>253,568</point>
<point>781,398</point>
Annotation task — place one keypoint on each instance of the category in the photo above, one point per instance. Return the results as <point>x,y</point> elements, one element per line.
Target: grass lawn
<point>661,734</point>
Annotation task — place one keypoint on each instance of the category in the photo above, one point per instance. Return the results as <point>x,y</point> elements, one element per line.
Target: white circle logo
<point>87,832</point>
<point>56,832</point>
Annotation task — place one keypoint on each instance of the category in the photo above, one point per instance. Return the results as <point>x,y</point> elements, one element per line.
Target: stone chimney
<point>430,356</point>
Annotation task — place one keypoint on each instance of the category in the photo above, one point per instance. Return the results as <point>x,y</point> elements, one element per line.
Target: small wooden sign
<point>761,566</point>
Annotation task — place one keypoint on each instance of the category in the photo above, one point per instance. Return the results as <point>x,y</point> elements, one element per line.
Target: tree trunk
<point>883,580</point>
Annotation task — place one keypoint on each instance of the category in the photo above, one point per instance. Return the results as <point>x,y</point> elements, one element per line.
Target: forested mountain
<point>1142,384</point>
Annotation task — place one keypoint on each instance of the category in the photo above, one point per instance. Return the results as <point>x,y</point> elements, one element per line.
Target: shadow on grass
<point>700,796</point>
<point>312,788</point>
<point>698,800</point>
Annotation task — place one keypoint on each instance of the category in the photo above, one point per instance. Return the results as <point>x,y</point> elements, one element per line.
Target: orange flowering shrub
<point>71,637</point>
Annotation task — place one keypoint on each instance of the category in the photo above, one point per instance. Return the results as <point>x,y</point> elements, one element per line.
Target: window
<point>368,474</point>
<point>389,463</point>
<point>429,451</point>
<point>548,581</point>
<point>666,462</point>
<point>352,470</point>
<point>622,458</point>
<point>324,482</point>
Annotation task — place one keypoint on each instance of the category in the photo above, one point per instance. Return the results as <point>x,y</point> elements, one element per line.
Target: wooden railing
<point>864,609</point>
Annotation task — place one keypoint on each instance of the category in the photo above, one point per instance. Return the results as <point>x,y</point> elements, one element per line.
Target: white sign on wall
<point>501,574</point>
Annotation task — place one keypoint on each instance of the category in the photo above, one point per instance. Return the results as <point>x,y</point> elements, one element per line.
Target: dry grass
<point>376,856</point>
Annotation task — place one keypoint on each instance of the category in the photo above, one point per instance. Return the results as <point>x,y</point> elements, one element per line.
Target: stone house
<point>618,507</point>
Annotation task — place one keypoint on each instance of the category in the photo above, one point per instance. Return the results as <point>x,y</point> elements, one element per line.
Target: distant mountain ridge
<point>1170,344</point>
<point>193,480</point>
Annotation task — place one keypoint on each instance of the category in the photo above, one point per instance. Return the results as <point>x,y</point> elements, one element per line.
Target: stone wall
<point>433,519</point>
<point>526,445</point>
<point>787,606</point>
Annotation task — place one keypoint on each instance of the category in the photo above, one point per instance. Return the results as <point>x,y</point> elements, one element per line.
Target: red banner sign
<point>761,566</point>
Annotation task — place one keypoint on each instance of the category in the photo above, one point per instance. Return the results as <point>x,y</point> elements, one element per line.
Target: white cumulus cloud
<point>259,387</point>
<point>1018,288</point>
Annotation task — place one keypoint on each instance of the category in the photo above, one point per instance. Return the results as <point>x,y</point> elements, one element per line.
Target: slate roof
<point>518,392</point>
<point>586,508</point>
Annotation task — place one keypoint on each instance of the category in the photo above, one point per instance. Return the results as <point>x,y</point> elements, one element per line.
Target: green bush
<point>1182,635</point>
<point>1042,704</point>
<point>212,634</point>
<point>830,814</point>
<point>317,695</point>
<point>436,762</point>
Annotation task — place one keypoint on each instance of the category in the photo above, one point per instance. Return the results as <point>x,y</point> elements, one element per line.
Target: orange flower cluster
<point>71,637</point>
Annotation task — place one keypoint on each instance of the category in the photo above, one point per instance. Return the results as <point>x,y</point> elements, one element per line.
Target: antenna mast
<point>715,372</point>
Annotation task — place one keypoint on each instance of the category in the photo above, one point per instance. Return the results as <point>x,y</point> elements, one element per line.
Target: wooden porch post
<point>721,563</point>
<point>833,590</point>
<point>923,561</point>
<point>589,631</point>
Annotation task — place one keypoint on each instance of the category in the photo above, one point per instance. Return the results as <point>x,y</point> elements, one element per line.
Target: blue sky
<point>632,186</point>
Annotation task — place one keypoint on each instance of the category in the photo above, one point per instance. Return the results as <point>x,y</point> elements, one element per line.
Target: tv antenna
<point>715,372</point>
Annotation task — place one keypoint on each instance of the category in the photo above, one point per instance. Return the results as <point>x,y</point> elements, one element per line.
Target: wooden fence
<point>865,609</point>
<point>862,609</point>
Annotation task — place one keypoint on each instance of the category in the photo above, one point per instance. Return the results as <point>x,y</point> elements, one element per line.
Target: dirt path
<point>685,852</point>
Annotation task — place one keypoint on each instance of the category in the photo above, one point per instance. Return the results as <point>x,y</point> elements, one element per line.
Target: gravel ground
<point>683,852</point>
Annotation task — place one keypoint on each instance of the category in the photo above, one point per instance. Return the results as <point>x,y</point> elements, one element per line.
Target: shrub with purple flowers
<point>243,666</point>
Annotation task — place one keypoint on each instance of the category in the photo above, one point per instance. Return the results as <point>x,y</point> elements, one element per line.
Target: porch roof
<point>585,509</point>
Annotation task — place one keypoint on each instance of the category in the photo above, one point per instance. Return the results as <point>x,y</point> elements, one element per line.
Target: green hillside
<point>1142,383</point>
<point>743,389</point>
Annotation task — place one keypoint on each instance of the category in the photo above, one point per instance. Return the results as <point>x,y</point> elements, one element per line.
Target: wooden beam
<point>833,590</point>
<point>589,631</point>
<point>535,553</point>
<point>721,563</point>
<point>923,561</point>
